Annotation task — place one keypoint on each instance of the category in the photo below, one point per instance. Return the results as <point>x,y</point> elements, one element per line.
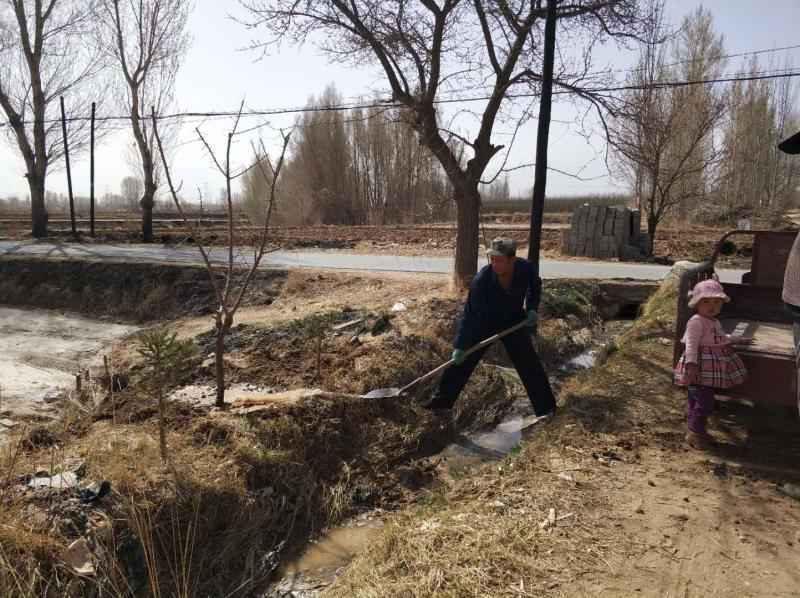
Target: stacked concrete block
<point>603,232</point>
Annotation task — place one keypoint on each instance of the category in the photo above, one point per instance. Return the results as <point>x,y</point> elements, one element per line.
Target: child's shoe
<point>701,442</point>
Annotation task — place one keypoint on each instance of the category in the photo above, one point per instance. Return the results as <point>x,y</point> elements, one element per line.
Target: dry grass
<point>246,486</point>
<point>243,492</point>
<point>483,536</point>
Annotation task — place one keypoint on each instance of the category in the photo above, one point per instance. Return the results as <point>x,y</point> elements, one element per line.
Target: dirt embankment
<point>138,292</point>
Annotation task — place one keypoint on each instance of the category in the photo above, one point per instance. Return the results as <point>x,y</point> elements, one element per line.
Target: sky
<point>219,72</point>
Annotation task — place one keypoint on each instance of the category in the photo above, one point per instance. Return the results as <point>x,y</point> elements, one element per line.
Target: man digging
<point>495,302</point>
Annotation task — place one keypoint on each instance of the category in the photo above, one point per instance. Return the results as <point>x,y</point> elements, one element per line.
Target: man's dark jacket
<point>490,308</point>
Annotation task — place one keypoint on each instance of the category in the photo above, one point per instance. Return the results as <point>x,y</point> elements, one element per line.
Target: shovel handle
<point>467,353</point>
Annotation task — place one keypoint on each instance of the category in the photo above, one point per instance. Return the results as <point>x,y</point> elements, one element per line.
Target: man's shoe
<point>440,412</point>
<point>434,403</point>
<point>547,414</point>
<point>442,419</point>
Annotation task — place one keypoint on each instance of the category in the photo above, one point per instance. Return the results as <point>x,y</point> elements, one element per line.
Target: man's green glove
<point>458,356</point>
<point>532,321</point>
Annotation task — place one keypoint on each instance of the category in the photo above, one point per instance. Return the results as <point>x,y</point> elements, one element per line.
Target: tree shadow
<point>763,441</point>
<point>599,413</point>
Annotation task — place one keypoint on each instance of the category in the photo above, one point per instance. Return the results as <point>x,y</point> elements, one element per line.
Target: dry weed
<point>483,536</point>
<point>28,554</point>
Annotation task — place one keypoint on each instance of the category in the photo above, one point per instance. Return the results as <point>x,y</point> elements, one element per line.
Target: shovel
<point>387,393</point>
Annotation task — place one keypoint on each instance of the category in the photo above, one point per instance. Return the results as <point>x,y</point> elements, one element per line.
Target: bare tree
<point>497,191</point>
<point>755,177</point>
<point>131,190</point>
<point>230,280</point>
<point>147,39</point>
<point>359,166</point>
<point>785,173</point>
<point>321,150</point>
<point>658,142</point>
<point>45,53</point>
<point>255,187</point>
<point>697,54</point>
<point>428,48</point>
<point>392,175</point>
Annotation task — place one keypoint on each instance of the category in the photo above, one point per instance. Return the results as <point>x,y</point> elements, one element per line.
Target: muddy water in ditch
<point>470,450</point>
<point>325,558</point>
<point>40,353</point>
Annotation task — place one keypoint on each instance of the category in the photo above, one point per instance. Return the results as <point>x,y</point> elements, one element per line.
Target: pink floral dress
<point>708,346</point>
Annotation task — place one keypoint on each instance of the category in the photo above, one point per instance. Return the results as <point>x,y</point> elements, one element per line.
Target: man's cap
<point>791,145</point>
<point>502,246</point>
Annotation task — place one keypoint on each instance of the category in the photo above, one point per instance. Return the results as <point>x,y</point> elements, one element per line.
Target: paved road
<point>330,260</point>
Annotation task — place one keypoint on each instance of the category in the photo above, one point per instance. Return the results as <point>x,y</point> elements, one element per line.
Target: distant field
<point>554,204</point>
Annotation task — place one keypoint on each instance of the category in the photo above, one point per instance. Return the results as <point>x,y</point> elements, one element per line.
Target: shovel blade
<point>382,393</point>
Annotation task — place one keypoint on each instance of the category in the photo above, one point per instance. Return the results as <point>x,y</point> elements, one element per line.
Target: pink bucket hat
<point>707,289</point>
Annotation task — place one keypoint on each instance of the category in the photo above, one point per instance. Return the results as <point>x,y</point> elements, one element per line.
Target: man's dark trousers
<point>526,361</point>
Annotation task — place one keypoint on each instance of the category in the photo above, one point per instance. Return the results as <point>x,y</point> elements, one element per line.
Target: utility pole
<point>91,173</point>
<point>542,136</point>
<point>69,171</point>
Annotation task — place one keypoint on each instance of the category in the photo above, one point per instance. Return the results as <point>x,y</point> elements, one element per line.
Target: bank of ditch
<point>246,488</point>
<point>138,292</point>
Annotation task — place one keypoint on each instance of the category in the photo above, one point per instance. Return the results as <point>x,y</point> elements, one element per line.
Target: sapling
<point>165,356</point>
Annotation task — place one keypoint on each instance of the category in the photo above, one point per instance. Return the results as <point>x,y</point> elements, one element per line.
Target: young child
<point>708,361</point>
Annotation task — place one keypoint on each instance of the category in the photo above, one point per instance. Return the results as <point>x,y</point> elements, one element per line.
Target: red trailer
<point>755,310</point>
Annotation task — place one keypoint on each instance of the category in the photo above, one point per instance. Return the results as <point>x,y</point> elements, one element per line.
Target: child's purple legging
<point>700,406</point>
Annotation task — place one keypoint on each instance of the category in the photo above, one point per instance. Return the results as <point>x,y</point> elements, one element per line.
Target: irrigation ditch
<point>273,495</point>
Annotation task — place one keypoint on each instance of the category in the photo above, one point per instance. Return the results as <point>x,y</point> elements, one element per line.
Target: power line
<point>723,57</point>
<point>687,61</point>
<point>773,74</point>
<point>627,70</point>
<point>671,84</point>
<point>762,51</point>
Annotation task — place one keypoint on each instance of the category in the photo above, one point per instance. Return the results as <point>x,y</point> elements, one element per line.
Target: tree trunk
<point>465,194</point>
<point>147,202</point>
<point>652,225</point>
<point>38,207</point>
<point>148,166</point>
<point>467,216</point>
<point>162,424</point>
<point>220,365</point>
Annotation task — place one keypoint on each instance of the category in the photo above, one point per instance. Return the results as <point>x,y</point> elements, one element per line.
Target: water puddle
<point>505,436</point>
<point>470,450</point>
<point>583,361</point>
<point>42,350</point>
<point>334,550</point>
<point>204,395</point>
<point>324,559</point>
